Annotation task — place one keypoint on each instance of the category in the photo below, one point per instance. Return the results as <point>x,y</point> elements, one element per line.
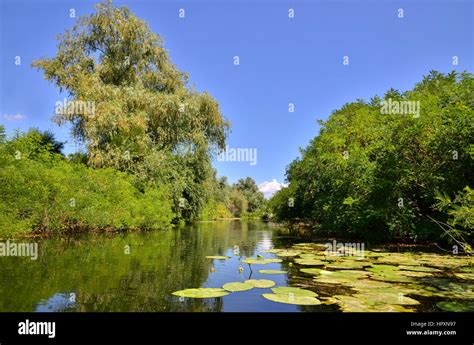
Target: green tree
<point>376,175</point>
<point>142,116</point>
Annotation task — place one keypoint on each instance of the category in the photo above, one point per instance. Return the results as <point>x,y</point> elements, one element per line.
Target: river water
<point>139,271</point>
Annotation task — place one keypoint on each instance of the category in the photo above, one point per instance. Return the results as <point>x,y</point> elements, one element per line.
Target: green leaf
<point>237,286</point>
<point>290,299</point>
<point>201,293</point>
<point>261,283</point>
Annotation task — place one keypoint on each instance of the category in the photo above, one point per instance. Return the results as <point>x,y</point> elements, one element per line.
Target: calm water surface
<point>139,271</point>
<point>94,272</point>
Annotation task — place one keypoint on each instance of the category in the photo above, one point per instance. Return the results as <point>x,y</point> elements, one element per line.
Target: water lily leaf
<point>388,273</point>
<point>456,306</point>
<point>355,304</point>
<point>387,296</point>
<point>467,269</point>
<point>364,284</point>
<point>313,271</point>
<point>201,293</point>
<point>237,286</point>
<point>348,265</point>
<point>261,283</point>
<point>286,290</point>
<point>345,277</point>
<point>383,269</point>
<point>274,260</point>
<point>311,246</point>
<point>310,256</point>
<point>466,276</point>
<point>272,272</point>
<point>288,253</point>
<point>415,274</point>
<point>292,299</point>
<point>217,257</point>
<point>256,261</point>
<point>418,268</point>
<point>450,289</point>
<point>271,251</point>
<point>310,262</point>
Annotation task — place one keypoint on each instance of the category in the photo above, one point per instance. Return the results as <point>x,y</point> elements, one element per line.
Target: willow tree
<point>129,104</point>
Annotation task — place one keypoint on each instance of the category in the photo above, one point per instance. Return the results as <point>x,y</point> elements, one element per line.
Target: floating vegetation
<point>365,284</point>
<point>313,271</point>
<point>286,290</point>
<point>415,274</point>
<point>388,273</point>
<point>261,283</point>
<point>356,304</point>
<point>288,253</point>
<point>217,257</point>
<point>310,262</point>
<point>201,293</point>
<point>291,299</point>
<point>258,261</point>
<point>419,268</point>
<point>237,286</point>
<point>339,277</point>
<point>465,276</point>
<point>350,265</point>
<point>376,281</point>
<point>272,272</point>
<point>456,306</point>
<point>387,296</point>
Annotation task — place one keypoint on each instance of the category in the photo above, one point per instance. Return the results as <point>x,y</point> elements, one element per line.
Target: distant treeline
<point>397,167</point>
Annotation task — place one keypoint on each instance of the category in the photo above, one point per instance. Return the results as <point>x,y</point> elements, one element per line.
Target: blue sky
<point>282,60</point>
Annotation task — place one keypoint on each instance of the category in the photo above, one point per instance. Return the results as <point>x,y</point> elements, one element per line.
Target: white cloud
<point>270,188</point>
<point>16,117</point>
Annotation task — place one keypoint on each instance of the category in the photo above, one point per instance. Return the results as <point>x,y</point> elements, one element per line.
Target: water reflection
<point>139,271</point>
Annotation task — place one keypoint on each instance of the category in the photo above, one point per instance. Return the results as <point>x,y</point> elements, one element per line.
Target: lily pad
<point>261,283</point>
<point>201,293</point>
<point>310,262</point>
<point>272,272</point>
<point>217,257</point>
<point>350,265</point>
<point>355,304</point>
<point>365,284</point>
<point>237,286</point>
<point>313,271</point>
<point>387,296</point>
<point>466,276</point>
<point>291,299</point>
<point>388,273</point>
<point>288,253</point>
<point>273,251</point>
<point>415,274</point>
<point>254,261</point>
<point>418,268</point>
<point>286,290</point>
<point>456,306</point>
<point>274,260</point>
<point>340,277</point>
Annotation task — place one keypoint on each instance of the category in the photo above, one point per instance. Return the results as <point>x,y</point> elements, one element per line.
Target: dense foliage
<point>44,191</point>
<point>378,175</point>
